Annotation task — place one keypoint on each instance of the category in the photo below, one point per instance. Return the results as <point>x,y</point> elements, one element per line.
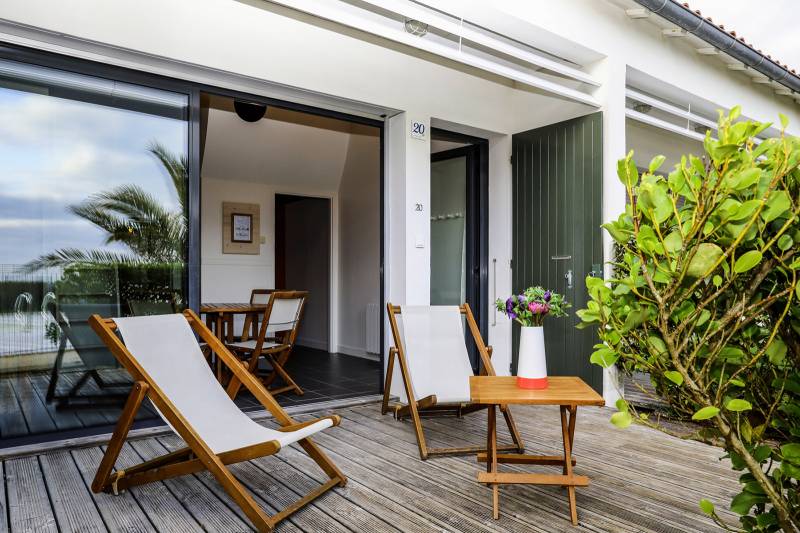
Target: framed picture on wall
<point>241,227</point>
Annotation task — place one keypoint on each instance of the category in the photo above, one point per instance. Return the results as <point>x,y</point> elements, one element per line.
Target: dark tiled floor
<point>326,376</point>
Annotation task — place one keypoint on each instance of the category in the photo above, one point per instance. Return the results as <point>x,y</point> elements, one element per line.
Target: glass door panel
<point>448,231</point>
<point>93,191</point>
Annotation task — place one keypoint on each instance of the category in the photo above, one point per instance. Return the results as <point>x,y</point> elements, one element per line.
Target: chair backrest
<point>73,319</point>
<point>432,342</point>
<point>282,315</point>
<point>260,296</point>
<point>165,348</point>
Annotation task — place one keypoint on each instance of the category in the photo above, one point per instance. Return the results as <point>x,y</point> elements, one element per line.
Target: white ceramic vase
<point>532,363</point>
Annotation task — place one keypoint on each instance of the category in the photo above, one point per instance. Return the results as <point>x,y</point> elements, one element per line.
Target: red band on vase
<point>531,383</point>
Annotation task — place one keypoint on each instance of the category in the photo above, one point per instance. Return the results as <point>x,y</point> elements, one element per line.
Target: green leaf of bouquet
<point>674,376</point>
<point>737,405</point>
<point>747,261</point>
<point>705,413</point>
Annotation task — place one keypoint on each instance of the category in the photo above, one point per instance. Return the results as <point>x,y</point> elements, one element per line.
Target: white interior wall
<point>259,160</point>
<point>359,238</point>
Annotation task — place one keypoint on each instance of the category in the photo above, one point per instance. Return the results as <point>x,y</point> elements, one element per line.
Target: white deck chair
<point>429,369</point>
<point>163,356</point>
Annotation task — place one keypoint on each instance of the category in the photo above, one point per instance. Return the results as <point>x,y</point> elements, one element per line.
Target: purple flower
<point>521,299</point>
<point>547,296</point>
<point>510,308</point>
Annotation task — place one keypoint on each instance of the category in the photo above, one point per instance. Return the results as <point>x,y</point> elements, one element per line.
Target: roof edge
<point>728,43</point>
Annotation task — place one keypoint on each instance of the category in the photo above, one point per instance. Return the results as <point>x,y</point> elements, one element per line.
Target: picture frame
<point>242,227</point>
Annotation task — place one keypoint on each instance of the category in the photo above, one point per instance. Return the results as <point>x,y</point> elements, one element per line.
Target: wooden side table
<point>567,393</point>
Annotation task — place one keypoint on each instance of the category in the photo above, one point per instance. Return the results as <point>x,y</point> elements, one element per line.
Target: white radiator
<point>373,329</point>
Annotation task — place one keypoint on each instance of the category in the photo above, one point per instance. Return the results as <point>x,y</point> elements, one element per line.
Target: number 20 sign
<point>418,129</point>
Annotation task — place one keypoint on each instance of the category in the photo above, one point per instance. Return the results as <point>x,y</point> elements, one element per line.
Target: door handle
<point>560,257</point>
<point>568,277</point>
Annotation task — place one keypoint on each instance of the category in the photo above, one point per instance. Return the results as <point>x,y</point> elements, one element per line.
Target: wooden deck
<point>641,480</point>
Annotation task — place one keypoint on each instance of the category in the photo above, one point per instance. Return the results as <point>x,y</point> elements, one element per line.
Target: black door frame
<point>477,223</point>
<point>193,90</point>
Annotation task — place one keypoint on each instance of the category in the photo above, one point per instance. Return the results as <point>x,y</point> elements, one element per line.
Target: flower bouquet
<point>529,309</point>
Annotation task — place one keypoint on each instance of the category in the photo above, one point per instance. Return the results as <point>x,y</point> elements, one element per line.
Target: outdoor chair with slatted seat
<point>275,340</point>
<point>163,356</point>
<point>429,370</point>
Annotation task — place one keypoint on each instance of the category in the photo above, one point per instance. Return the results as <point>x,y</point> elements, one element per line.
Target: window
<point>93,215</point>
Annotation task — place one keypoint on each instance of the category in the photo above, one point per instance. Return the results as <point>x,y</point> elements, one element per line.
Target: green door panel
<point>557,201</point>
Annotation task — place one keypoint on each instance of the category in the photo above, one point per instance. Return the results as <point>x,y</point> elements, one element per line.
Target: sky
<point>769,25</point>
<point>56,152</point>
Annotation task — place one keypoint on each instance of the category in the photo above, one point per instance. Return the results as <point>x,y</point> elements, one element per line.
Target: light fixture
<point>642,108</point>
<point>416,27</point>
<point>249,111</point>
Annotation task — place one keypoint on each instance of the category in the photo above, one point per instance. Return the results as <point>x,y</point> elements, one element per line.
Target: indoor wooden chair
<point>430,351</point>
<point>163,356</point>
<point>251,321</point>
<point>275,339</point>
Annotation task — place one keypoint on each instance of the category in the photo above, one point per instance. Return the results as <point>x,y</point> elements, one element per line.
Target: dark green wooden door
<point>557,200</point>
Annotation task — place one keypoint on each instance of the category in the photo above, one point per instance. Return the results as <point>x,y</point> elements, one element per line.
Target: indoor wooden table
<point>220,315</point>
<point>567,393</point>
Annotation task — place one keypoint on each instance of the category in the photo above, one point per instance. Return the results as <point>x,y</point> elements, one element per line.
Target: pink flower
<point>538,309</point>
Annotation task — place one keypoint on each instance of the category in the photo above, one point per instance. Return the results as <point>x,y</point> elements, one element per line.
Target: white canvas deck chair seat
<point>429,370</point>
<point>163,356</point>
<point>276,337</point>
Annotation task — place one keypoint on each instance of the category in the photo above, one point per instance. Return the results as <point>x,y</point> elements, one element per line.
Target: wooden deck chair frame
<point>415,408</point>
<point>251,321</point>
<point>277,356</point>
<point>197,455</point>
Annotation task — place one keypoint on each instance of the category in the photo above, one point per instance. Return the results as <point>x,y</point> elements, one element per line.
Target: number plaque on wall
<point>240,228</point>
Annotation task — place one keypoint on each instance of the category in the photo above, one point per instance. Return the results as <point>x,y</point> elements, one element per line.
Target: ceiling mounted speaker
<point>248,111</point>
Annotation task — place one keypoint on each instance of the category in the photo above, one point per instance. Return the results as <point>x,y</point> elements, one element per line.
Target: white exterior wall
<point>245,44</point>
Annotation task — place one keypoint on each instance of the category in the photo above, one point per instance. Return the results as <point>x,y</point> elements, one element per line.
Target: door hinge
<point>511,159</point>
<point>511,264</point>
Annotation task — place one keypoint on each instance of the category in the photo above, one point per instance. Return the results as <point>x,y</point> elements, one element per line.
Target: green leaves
<point>622,418</point>
<point>674,376</point>
<point>737,405</point>
<point>705,413</point>
<point>703,260</point>
<point>656,163</point>
<point>707,507</point>
<point>747,261</point>
<point>604,356</point>
<point>778,203</point>
<point>627,172</point>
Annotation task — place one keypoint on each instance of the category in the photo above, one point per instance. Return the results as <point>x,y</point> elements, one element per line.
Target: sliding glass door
<point>93,217</point>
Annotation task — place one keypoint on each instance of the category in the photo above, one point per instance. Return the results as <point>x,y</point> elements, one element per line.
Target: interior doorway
<point>310,186</point>
<point>459,225</point>
<point>302,261</point>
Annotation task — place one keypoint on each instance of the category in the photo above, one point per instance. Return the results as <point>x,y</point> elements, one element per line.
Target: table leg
<point>248,319</point>
<point>491,463</point>
<point>568,435</point>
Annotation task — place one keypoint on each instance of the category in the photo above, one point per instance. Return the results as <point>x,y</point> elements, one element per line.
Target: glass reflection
<point>93,189</point>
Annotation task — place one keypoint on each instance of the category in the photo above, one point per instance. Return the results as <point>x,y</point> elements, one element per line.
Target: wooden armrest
<point>336,419</point>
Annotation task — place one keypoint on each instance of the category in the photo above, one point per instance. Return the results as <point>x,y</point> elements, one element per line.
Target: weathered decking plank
<point>72,504</point>
<point>29,509</point>
<point>12,423</point>
<point>121,512</point>
<point>641,480</point>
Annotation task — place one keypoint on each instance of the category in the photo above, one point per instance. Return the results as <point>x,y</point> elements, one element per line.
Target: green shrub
<point>158,282</point>
<point>705,298</point>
